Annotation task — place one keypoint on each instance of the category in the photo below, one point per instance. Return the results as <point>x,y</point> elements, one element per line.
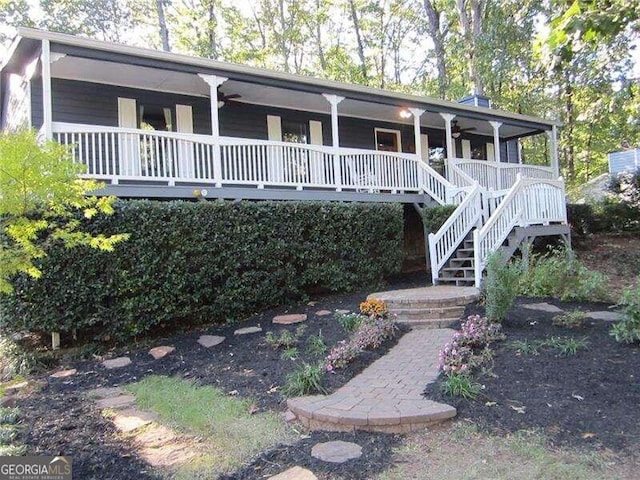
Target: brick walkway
<point>386,396</point>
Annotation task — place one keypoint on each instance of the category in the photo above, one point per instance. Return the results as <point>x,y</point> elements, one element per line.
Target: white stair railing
<point>529,202</point>
<point>434,184</point>
<point>444,242</point>
<point>497,175</point>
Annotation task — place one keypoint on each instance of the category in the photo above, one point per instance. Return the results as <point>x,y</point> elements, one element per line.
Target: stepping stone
<point>116,402</point>
<point>336,451</point>
<point>15,387</point>
<point>295,473</point>
<point>106,392</point>
<point>289,319</point>
<point>116,363</point>
<point>607,316</point>
<point>159,352</point>
<point>323,313</point>
<point>63,373</point>
<point>289,416</point>
<point>208,341</point>
<point>343,312</point>
<point>246,330</point>
<point>132,419</point>
<point>543,307</point>
<point>312,304</point>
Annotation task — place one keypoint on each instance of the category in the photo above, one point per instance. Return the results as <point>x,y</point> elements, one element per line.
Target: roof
<point>26,34</point>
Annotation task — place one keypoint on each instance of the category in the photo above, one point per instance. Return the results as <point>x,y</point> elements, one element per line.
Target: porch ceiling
<point>133,76</point>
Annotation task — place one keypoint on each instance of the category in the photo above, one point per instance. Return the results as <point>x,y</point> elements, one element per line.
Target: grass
<point>460,450</point>
<point>229,431</point>
<point>460,385</point>
<point>562,345</point>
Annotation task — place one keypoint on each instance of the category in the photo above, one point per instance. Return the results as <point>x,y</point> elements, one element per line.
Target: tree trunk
<point>213,47</point>
<point>162,24</point>
<point>471,29</point>
<point>433,27</point>
<point>356,27</point>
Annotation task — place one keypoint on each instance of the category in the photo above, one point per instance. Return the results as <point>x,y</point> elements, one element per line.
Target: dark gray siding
<point>36,103</point>
<point>95,104</point>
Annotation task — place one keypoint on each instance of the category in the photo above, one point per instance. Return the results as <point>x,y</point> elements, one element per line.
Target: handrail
<point>529,202</point>
<point>498,175</point>
<point>438,187</point>
<point>444,242</point>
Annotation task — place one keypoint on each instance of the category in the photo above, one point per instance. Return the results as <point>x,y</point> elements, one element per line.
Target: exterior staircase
<point>459,269</point>
<point>431,307</point>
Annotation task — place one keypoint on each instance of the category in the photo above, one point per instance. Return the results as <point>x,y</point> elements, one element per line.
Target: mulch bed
<point>58,419</point>
<point>376,456</point>
<point>589,399</point>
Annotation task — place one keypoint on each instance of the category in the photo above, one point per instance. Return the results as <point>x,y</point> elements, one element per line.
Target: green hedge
<point>205,262</point>
<point>608,216</point>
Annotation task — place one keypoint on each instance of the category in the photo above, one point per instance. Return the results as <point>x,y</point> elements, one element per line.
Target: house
<point>162,125</point>
<point>624,160</point>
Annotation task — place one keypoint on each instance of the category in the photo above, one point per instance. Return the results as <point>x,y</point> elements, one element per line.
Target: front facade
<point>155,124</point>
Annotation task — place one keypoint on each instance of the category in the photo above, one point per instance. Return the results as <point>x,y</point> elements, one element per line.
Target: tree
<point>41,199</point>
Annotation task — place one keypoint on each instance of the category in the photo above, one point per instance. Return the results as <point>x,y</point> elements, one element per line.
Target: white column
<point>47,116</point>
<point>334,100</point>
<point>214,82</point>
<point>451,148</point>
<point>496,139</point>
<point>553,150</point>
<point>417,113</point>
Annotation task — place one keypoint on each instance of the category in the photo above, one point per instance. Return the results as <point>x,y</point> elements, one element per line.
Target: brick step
<point>457,281</point>
<point>432,323</point>
<point>439,296</point>
<point>427,313</point>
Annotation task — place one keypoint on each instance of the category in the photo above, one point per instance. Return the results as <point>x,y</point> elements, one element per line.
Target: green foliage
<point>574,319</point>
<point>14,360</point>
<point>9,416</point>
<point>41,198</point>
<point>316,345</point>
<point>290,353</point>
<point>501,286</point>
<point>560,274</point>
<point>286,338</point>
<point>562,345</point>
<point>304,380</point>
<point>608,216</point>
<point>206,262</point>
<point>628,329</point>
<point>350,322</point>
<point>460,385</point>
<point>434,217</point>
<point>8,433</point>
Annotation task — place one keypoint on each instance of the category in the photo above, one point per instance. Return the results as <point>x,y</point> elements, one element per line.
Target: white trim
<point>274,128</point>
<point>491,157</point>
<point>466,148</point>
<point>424,147</point>
<point>398,134</point>
<point>315,132</point>
<point>47,111</point>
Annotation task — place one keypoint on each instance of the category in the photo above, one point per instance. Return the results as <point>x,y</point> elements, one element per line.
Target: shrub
<point>374,308</point>
<point>628,329</point>
<point>560,274</point>
<point>458,356</point>
<point>435,217</point>
<point>304,380</point>
<point>500,286</point>
<point>573,319</point>
<point>371,334</point>
<point>460,385</point>
<point>582,219</point>
<point>350,322</point>
<point>204,261</point>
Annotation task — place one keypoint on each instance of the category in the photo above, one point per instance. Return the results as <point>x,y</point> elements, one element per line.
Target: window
<point>156,118</point>
<point>388,140</point>
<point>294,132</point>
<point>478,152</point>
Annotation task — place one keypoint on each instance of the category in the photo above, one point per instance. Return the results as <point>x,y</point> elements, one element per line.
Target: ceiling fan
<point>222,98</point>
<point>456,130</point>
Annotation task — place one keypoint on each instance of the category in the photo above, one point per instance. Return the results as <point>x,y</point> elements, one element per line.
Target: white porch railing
<point>444,242</point>
<point>529,202</point>
<point>115,154</point>
<point>498,175</point>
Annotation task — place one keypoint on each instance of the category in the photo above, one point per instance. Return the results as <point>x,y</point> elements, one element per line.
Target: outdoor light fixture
<point>220,104</point>
<point>405,114</point>
<point>455,134</point>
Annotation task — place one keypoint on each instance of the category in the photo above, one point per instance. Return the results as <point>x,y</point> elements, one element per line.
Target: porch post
<point>334,100</point>
<point>451,147</point>
<point>214,82</point>
<point>416,112</point>
<point>47,116</point>
<point>496,150</point>
<point>553,150</point>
